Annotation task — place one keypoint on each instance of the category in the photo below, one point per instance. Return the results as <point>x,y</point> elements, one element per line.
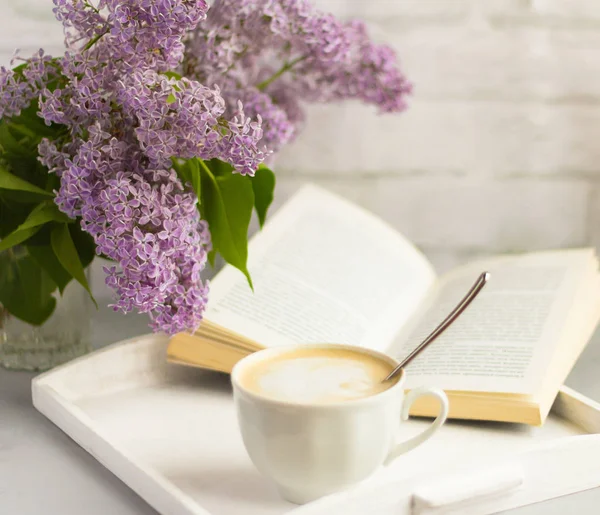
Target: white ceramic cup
<point>312,450</point>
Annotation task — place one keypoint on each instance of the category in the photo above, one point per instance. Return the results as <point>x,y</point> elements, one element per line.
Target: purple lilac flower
<point>248,66</point>
<point>284,97</point>
<point>18,89</point>
<point>81,21</point>
<point>273,55</point>
<point>239,146</point>
<point>370,74</point>
<point>84,95</point>
<point>114,176</point>
<point>126,122</point>
<point>141,217</point>
<point>137,32</point>
<point>151,31</point>
<point>280,128</point>
<point>184,118</point>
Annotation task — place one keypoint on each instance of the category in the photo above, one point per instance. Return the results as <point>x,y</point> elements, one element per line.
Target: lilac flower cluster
<point>276,54</point>
<point>19,88</point>
<point>151,32</point>
<point>145,33</point>
<point>126,121</point>
<point>278,126</point>
<point>145,81</point>
<point>190,121</point>
<point>81,21</point>
<point>142,218</point>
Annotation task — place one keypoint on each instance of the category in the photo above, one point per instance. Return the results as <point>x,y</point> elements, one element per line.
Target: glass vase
<point>64,336</point>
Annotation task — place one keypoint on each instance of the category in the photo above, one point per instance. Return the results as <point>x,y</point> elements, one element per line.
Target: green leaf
<point>182,167</point>
<point>8,181</point>
<point>12,214</point>
<point>52,180</point>
<point>84,243</point>
<point>20,69</point>
<point>17,217</point>
<point>64,248</point>
<point>45,258</point>
<point>227,203</point>
<point>172,75</point>
<point>42,214</point>
<point>219,167</point>
<point>195,178</point>
<point>23,130</point>
<point>16,237</point>
<point>189,173</point>
<point>42,237</point>
<point>25,289</point>
<point>263,185</point>
<point>178,165</point>
<point>11,145</point>
<point>211,256</point>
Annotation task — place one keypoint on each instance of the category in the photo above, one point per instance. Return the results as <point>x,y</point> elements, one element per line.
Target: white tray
<point>169,432</point>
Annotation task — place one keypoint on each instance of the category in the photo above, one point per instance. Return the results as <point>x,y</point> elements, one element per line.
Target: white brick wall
<point>500,150</point>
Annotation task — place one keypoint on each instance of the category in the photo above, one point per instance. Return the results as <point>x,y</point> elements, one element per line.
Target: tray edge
<point>160,494</point>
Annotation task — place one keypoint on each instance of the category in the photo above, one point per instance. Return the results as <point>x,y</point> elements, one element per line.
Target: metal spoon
<point>454,314</point>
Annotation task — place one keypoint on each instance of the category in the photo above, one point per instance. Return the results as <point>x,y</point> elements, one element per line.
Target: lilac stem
<point>286,67</point>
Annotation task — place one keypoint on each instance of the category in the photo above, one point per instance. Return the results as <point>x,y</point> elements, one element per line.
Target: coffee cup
<point>317,419</point>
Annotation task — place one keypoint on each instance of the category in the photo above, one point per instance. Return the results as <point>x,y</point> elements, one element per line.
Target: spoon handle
<point>454,314</point>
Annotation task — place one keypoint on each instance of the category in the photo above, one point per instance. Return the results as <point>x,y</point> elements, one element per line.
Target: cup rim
<point>274,351</point>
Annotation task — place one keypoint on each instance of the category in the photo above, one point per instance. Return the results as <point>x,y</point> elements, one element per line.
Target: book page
<point>324,270</point>
<point>505,340</point>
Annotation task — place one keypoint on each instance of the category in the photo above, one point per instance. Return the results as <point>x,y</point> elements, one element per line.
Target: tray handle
<point>461,490</point>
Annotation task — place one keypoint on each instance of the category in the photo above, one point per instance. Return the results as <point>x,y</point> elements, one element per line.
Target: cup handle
<point>417,440</point>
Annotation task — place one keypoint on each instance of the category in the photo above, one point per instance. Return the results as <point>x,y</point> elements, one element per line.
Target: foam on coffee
<point>317,375</point>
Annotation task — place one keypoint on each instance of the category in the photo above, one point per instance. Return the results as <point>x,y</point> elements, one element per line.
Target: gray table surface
<point>43,472</point>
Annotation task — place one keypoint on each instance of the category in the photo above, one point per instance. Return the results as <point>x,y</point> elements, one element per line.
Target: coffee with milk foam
<point>317,376</point>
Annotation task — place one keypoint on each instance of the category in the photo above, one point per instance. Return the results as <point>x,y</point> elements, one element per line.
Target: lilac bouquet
<point>147,142</point>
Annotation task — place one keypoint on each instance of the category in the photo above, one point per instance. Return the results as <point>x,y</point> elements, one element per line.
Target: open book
<point>325,270</point>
